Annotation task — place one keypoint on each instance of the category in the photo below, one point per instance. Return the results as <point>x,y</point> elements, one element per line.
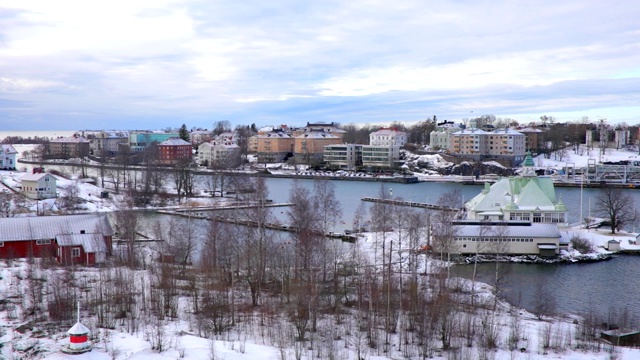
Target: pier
<point>245,222</point>
<point>409,204</point>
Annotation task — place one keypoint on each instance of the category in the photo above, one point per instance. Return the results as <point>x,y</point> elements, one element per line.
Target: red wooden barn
<point>71,239</point>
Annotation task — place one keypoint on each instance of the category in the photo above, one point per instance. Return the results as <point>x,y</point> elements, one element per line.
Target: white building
<point>439,138</point>
<point>7,156</point>
<point>344,156</point>
<point>527,198</point>
<point>39,186</point>
<point>220,154</point>
<point>388,137</point>
<point>512,239</point>
<point>384,148</point>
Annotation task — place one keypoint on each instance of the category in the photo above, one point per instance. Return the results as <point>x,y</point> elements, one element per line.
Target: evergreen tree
<point>183,133</point>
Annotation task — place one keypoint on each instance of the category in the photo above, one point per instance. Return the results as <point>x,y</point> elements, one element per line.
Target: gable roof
<point>174,142</point>
<point>526,193</point>
<point>8,149</point>
<point>91,243</point>
<point>48,227</point>
<point>35,177</point>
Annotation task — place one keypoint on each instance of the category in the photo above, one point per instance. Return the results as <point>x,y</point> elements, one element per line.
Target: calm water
<point>606,285</point>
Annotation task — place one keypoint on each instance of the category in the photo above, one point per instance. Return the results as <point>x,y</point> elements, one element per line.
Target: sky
<point>151,64</point>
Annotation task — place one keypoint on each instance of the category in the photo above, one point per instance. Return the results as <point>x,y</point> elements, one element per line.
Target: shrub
<point>583,245</point>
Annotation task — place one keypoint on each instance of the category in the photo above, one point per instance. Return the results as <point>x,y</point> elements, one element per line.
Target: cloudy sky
<point>148,64</point>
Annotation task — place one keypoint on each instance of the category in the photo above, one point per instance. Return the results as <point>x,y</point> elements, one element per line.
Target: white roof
<point>174,142</point>
<point>388,132</point>
<point>318,135</point>
<point>35,177</point>
<point>71,139</point>
<point>78,329</point>
<point>8,149</point>
<point>48,227</point>
<point>91,243</point>
<point>470,131</point>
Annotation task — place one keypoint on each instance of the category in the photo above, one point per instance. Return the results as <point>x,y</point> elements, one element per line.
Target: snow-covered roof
<point>78,329</point>
<point>35,177</point>
<point>48,227</point>
<point>71,139</point>
<point>174,142</point>
<point>470,131</point>
<point>388,132</point>
<point>527,193</point>
<point>8,149</point>
<point>91,243</point>
<point>277,134</point>
<point>507,131</point>
<point>318,135</point>
<point>532,230</point>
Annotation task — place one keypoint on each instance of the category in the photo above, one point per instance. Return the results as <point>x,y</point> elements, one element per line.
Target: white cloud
<point>363,59</point>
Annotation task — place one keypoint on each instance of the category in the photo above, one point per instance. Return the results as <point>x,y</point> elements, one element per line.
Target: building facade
<point>343,156</point>
<point>140,140</point>
<point>505,144</point>
<point>7,156</point>
<point>174,150</point>
<point>39,186</point>
<point>527,198</point>
<point>69,147</point>
<point>309,147</point>
<point>274,146</point>
<point>108,143</point>
<point>220,155</point>
<point>70,239</point>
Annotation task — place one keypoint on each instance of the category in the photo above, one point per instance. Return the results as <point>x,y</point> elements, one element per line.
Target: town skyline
<point>77,65</point>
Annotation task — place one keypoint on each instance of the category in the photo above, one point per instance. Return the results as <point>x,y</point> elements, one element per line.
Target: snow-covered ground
<point>182,341</point>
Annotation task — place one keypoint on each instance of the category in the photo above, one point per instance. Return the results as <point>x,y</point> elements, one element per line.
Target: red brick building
<point>174,150</point>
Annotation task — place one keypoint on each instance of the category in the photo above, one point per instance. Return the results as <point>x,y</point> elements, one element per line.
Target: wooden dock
<point>245,222</point>
<point>409,204</point>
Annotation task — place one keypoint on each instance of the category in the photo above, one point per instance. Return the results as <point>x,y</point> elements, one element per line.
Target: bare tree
<point>443,229</point>
<point>617,206</point>
<point>544,300</point>
<point>70,198</point>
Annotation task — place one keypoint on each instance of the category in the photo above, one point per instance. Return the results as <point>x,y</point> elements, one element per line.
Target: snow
<point>183,343</point>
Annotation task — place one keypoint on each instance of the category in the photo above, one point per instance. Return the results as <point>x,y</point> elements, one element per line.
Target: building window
<point>43,242</point>
<point>75,252</point>
<point>1,243</point>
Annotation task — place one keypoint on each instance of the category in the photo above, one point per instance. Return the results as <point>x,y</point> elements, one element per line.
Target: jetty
<point>252,223</point>
<point>409,204</point>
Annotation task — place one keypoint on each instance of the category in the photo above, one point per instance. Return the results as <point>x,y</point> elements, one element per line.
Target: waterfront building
<point>516,238</point>
<point>7,156</point>
<point>69,147</point>
<point>174,150</point>
<point>384,148</point>
<point>343,156</point>
<point>70,239</point>
<point>502,144</point>
<point>140,140</point>
<point>274,146</point>
<point>439,138</point>
<point>220,155</point>
<point>527,198</point>
<point>309,147</point>
<point>107,143</point>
